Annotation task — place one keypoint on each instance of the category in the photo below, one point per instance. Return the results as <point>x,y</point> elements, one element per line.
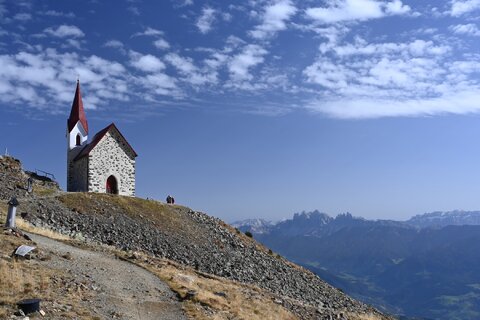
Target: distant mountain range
<point>427,267</point>
<point>440,219</point>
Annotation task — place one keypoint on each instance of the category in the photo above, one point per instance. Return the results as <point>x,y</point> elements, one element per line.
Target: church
<point>106,164</point>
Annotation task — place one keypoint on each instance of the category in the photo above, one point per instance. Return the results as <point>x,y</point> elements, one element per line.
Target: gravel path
<point>125,291</point>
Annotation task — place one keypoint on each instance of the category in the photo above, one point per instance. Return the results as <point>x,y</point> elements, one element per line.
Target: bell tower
<point>77,136</point>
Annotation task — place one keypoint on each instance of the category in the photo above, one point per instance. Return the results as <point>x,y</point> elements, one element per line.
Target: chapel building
<point>106,164</point>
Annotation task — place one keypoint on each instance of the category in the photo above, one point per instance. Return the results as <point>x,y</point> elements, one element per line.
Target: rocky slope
<point>192,239</point>
<point>13,180</point>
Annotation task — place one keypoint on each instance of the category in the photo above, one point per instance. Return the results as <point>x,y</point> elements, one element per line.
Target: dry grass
<point>216,298</point>
<point>28,227</point>
<point>100,203</point>
<point>24,279</point>
<point>42,191</point>
<point>365,317</point>
<point>19,279</point>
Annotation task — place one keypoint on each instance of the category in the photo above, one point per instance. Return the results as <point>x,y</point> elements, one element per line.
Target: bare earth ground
<point>124,290</point>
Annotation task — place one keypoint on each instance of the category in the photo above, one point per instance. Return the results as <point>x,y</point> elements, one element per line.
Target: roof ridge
<point>96,139</point>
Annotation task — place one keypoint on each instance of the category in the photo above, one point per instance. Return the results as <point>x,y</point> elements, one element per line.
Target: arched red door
<point>112,186</point>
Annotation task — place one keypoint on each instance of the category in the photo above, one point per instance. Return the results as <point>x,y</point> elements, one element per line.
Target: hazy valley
<point>425,267</point>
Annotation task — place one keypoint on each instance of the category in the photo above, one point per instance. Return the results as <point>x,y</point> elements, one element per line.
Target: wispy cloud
<point>459,102</point>
<point>468,29</point>
<point>240,65</point>
<point>54,13</point>
<point>65,31</point>
<point>113,44</point>
<point>44,80</point>
<point>274,19</point>
<point>23,17</point>
<point>351,10</point>
<point>206,19</point>
<point>393,79</point>
<point>134,10</point>
<point>161,44</point>
<point>190,72</point>
<point>461,7</point>
<point>149,32</point>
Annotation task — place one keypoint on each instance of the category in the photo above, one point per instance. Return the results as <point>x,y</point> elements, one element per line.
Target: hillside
<point>193,240</point>
<point>426,272</point>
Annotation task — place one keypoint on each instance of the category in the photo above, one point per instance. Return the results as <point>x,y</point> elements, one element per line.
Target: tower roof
<point>77,113</point>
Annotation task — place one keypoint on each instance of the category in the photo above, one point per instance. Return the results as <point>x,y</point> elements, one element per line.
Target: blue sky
<point>258,108</point>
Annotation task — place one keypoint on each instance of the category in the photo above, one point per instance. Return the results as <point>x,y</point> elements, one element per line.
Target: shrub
<point>249,234</point>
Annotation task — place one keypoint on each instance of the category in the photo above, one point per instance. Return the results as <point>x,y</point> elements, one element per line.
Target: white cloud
<point>216,60</point>
<point>65,31</point>
<point>460,7</point>
<point>350,10</point>
<point>205,21</point>
<point>455,102</point>
<point>53,13</point>
<point>147,63</point>
<point>113,44</point>
<point>470,29</point>
<point>183,3</point>
<point>274,19</point>
<point>239,66</point>
<point>134,10</point>
<point>185,65</point>
<point>46,79</point>
<point>72,43</point>
<point>414,48</point>
<point>371,80</point>
<point>396,7</point>
<point>3,10</point>
<point>191,73</point>
<point>161,44</point>
<point>22,17</point>
<point>161,84</point>
<point>149,32</point>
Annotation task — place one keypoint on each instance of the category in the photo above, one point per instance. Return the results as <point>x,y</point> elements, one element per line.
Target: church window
<point>78,140</point>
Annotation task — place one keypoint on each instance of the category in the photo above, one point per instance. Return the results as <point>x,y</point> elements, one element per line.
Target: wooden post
<point>12,210</point>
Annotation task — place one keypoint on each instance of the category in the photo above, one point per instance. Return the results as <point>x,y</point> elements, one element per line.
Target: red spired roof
<point>96,139</point>
<point>77,113</point>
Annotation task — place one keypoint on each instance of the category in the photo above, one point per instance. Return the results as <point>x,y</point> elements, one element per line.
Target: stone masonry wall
<point>77,172</point>
<point>112,156</point>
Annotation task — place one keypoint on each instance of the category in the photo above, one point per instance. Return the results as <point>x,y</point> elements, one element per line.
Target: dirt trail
<point>125,291</point>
